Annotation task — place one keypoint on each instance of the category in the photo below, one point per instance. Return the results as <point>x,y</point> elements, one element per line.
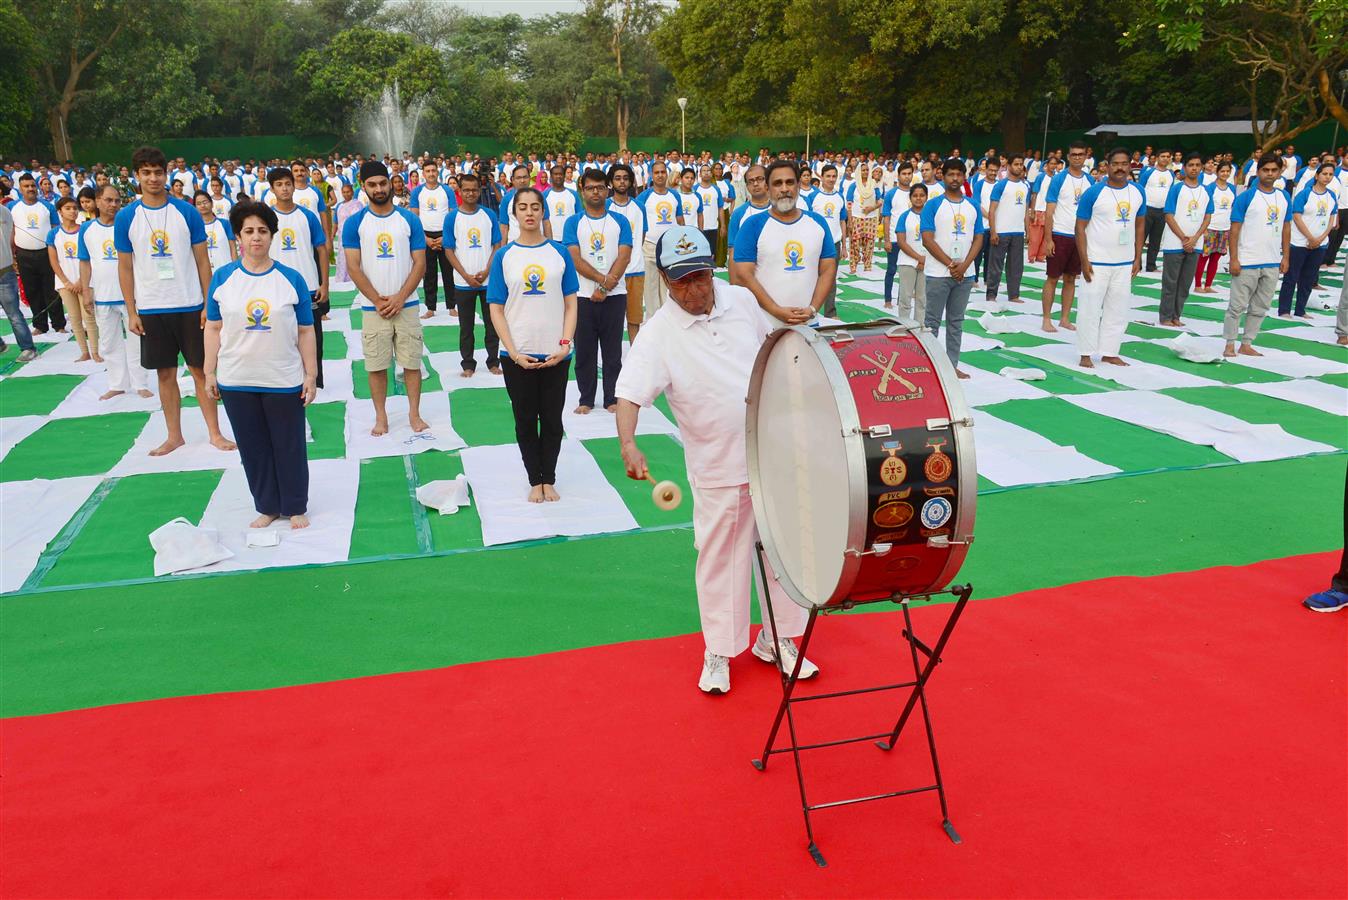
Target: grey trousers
<point>912,293</point>
<point>1009,251</point>
<point>948,300</point>
<point>1177,278</point>
<point>1341,319</point>
<point>1251,293</point>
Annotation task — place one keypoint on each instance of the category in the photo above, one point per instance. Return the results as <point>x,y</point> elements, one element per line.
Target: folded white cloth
<point>1194,349</point>
<point>1028,374</point>
<point>994,324</point>
<point>446,495</point>
<point>179,546</point>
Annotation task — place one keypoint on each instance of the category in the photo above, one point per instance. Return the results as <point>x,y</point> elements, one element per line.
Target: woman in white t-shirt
<point>262,361</point>
<point>63,254</point>
<point>220,246</point>
<point>1216,240</point>
<point>531,292</point>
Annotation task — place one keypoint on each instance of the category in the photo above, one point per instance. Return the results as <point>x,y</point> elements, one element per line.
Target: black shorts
<point>169,334</point>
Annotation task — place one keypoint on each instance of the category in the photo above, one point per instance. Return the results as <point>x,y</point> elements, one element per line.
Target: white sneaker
<point>762,648</point>
<point>715,674</point>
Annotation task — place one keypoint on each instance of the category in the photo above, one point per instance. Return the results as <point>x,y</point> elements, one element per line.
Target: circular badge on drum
<point>936,512</point>
<point>893,515</point>
<point>893,471</point>
<point>938,466</point>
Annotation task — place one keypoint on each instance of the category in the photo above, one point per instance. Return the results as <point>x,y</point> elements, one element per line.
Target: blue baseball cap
<point>683,250</point>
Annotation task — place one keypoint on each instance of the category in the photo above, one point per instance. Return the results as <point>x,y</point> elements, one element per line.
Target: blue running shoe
<point>1326,601</point>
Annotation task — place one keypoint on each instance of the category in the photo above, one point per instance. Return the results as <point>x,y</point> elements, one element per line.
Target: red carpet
<point>1173,736</point>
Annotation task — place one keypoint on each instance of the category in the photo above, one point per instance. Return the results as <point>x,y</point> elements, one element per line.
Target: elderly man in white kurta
<point>698,350</point>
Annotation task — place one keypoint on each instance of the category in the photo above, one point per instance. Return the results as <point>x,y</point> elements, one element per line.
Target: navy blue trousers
<point>269,429</point>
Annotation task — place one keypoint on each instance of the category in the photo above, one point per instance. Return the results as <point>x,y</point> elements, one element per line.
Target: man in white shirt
<point>431,202</point>
<point>301,244</point>
<point>1155,182</point>
<point>1111,219</point>
<point>698,350</point>
<point>1188,210</point>
<point>952,235</point>
<point>34,218</point>
<point>1062,255</point>
<point>1260,244</point>
<point>9,290</point>
<point>1008,219</point>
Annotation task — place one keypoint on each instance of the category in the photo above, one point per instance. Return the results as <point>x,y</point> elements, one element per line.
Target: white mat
<point>13,429</point>
<point>400,440</point>
<point>1022,323</point>
<point>333,484</point>
<point>337,383</point>
<point>600,423</point>
<point>59,360</point>
<point>46,508</point>
<point>1293,365</point>
<point>1328,398</point>
<point>1198,425</point>
<point>449,367</point>
<point>83,401</point>
<point>195,455</point>
<point>1320,334</point>
<point>984,388</point>
<point>589,504</point>
<point>1009,455</point>
<point>1137,375</point>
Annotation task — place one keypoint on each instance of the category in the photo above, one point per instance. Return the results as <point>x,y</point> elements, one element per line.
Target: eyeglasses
<point>759,180</point>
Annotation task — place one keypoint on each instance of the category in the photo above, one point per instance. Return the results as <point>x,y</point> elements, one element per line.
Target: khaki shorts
<point>381,338</point>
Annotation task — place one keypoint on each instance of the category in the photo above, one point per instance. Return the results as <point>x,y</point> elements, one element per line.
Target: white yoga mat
<point>589,504</point>
<point>984,388</point>
<point>600,423</point>
<point>449,366</point>
<point>13,429</point>
<point>337,383</point>
<point>195,455</point>
<point>401,440</point>
<point>59,360</point>
<point>83,401</point>
<point>333,484</point>
<point>1137,375</point>
<point>1022,323</point>
<point>1198,425</point>
<point>1009,455</point>
<point>1328,398</point>
<point>1293,365</point>
<point>46,508</point>
<point>1320,334</point>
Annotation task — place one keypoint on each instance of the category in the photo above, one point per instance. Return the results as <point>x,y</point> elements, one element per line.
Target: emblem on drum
<point>938,466</point>
<point>892,469</point>
<point>888,372</point>
<point>893,515</point>
<point>936,512</point>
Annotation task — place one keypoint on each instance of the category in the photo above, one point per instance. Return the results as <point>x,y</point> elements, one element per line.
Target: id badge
<point>1123,239</point>
<point>957,253</point>
<point>163,269</point>
<point>600,261</point>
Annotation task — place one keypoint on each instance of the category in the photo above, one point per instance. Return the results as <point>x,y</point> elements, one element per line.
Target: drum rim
<point>854,452</point>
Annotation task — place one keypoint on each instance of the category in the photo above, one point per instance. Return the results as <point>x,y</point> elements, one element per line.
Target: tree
<point>1288,50</point>
<point>355,67</point>
<point>545,132</point>
<point>18,60</point>
<point>148,93</point>
<point>629,75</point>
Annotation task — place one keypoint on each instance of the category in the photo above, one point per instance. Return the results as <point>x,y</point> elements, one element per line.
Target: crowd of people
<point>224,265</point>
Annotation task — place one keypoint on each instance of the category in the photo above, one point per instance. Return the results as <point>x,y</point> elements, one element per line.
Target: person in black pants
<point>600,243</point>
<point>532,294</point>
<point>472,236</point>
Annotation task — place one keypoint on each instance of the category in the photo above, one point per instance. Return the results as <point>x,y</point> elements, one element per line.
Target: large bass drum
<point>861,462</point>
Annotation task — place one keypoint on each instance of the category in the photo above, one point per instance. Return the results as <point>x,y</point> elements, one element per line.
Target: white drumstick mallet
<point>666,494</point>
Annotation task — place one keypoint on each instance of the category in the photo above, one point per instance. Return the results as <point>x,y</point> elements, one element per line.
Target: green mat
<point>327,423</point>
<point>334,345</point>
<point>385,523</point>
<point>1060,380</point>
<point>1229,373</point>
<point>482,416</point>
<point>36,396</point>
<point>664,459</point>
<point>1296,419</point>
<point>65,448</point>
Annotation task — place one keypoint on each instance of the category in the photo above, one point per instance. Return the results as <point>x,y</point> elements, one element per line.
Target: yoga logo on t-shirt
<point>794,253</point>
<point>288,239</point>
<point>383,243</point>
<point>959,224</point>
<point>109,249</point>
<point>828,209</point>
<point>1125,210</point>
<point>258,312</point>
<point>664,212</point>
<point>534,280</point>
<point>474,238</point>
<point>159,243</point>
<point>69,248</point>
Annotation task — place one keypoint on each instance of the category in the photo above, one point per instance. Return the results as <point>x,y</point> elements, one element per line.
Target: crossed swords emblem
<point>887,373</point>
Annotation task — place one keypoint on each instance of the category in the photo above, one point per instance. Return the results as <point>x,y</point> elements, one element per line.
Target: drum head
<point>798,469</point>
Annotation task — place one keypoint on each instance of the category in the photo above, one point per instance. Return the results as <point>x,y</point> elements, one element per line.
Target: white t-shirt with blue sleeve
<point>635,215</point>
<point>1223,198</point>
<point>1188,205</point>
<point>832,208</point>
<point>1316,208</point>
<point>1010,197</point>
<point>432,204</point>
<point>712,201</point>
<point>598,240</point>
<point>66,245</point>
<point>160,240</point>
<point>561,205</point>
<point>1111,216</point>
<point>661,210</point>
<point>298,232</point>
<point>532,282</point>
<point>260,315</point>
<point>909,224</point>
<point>1065,189</point>
<point>955,224</point>
<point>96,246</point>
<point>471,235</point>
<point>786,254</point>
<point>386,244</point>
<point>1261,216</point>
<point>218,236</point>
<point>32,223</point>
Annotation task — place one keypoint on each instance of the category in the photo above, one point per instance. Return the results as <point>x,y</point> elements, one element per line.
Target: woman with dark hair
<point>262,361</point>
<point>63,254</point>
<point>1314,212</point>
<point>532,295</point>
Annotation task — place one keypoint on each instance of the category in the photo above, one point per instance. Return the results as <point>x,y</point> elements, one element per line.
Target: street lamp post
<point>683,124</point>
<point>1048,104</point>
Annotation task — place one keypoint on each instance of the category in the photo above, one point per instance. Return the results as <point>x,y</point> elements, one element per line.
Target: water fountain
<point>386,126</point>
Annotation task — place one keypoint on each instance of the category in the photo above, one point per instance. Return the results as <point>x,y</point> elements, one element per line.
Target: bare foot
<point>428,313</point>
<point>1178,323</point>
<point>1113,360</point>
<point>1086,363</point>
<point>298,522</point>
<point>1068,325</point>
<point>168,446</point>
<point>97,358</point>
<point>1343,340</point>
<point>536,494</point>
<point>83,357</point>
<point>145,392</point>
<point>1247,350</point>
<point>326,318</point>
<point>889,306</point>
<point>1230,350</point>
<point>1017,300</point>
<point>263,521</point>
<point>550,494</point>
<point>418,424</point>
<point>582,410</point>
<point>454,313</point>
<point>220,442</point>
<point>110,394</point>
<point>465,373</point>
<point>612,408</point>
<point>961,374</point>
<point>1048,326</point>
<point>380,426</point>
<point>495,370</point>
